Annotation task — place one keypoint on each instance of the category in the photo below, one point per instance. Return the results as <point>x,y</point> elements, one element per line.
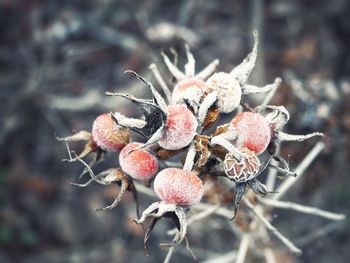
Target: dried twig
<point>292,248</point>
<point>302,209</point>
<point>290,181</point>
<point>243,248</point>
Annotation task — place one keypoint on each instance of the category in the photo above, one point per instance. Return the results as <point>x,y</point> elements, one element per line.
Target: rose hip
<point>108,135</point>
<point>138,164</point>
<point>180,128</point>
<point>189,87</point>
<point>252,130</point>
<point>177,186</point>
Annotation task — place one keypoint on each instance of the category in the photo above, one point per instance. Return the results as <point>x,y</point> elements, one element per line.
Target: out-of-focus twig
<point>272,229</point>
<point>303,209</point>
<point>290,181</point>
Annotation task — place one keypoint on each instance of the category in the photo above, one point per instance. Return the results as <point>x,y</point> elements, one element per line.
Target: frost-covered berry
<point>252,131</point>
<point>187,88</point>
<point>139,164</point>
<point>108,135</point>
<point>228,89</point>
<point>180,128</point>
<point>177,186</point>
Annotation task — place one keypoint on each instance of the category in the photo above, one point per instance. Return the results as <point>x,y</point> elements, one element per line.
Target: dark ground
<point>57,58</point>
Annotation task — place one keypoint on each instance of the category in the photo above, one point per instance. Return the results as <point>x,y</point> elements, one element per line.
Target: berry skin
<point>139,164</point>
<point>253,131</point>
<point>177,186</point>
<point>228,89</point>
<point>108,135</point>
<point>180,128</point>
<point>187,87</point>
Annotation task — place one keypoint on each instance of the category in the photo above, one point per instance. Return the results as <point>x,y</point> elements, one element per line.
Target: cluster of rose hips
<point>185,124</point>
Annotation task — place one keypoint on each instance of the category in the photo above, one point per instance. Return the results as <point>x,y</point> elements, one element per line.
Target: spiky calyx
<point>138,164</point>
<point>108,135</point>
<point>177,186</point>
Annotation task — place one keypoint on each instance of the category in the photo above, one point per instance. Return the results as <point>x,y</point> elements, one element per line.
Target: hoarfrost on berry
<point>139,164</point>
<point>228,89</point>
<point>108,135</point>
<point>252,130</point>
<point>174,185</point>
<point>180,128</point>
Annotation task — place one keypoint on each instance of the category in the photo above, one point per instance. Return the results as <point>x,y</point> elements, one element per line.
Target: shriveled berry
<point>139,164</point>
<point>228,89</point>
<point>242,170</point>
<point>252,130</point>
<point>108,135</point>
<point>180,128</point>
<point>187,87</point>
<point>177,186</point>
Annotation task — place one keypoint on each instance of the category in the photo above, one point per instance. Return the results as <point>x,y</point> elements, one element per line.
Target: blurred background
<point>57,58</point>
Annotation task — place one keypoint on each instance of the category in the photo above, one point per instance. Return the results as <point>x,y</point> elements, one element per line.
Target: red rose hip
<point>228,89</point>
<point>138,164</point>
<point>180,128</point>
<point>177,186</point>
<point>108,135</point>
<point>187,87</point>
<point>252,131</point>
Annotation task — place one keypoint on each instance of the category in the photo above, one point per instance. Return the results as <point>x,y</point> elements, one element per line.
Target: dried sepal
<point>202,148</point>
<point>206,104</point>
<point>283,137</point>
<point>212,116</point>
<point>155,113</point>
<point>208,70</point>
<point>165,154</point>
<point>153,67</point>
<point>249,89</point>
<point>159,210</point>
<point>172,68</point>
<point>278,118</point>
<point>89,147</point>
<point>190,66</point>
<point>108,177</point>
<point>243,70</point>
